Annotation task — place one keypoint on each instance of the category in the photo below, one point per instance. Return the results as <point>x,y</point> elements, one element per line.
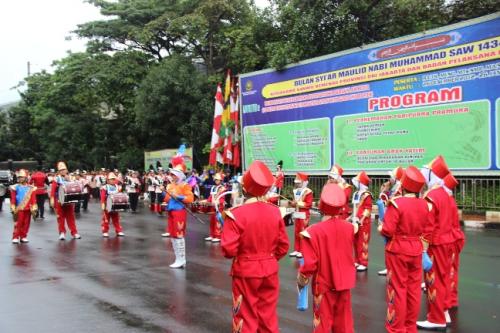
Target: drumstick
<point>187,210</point>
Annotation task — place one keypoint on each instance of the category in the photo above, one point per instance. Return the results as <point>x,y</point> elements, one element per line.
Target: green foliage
<point>155,89</point>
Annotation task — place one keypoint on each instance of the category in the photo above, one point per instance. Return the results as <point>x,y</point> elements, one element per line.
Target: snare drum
<point>299,215</point>
<point>117,202</point>
<point>69,192</point>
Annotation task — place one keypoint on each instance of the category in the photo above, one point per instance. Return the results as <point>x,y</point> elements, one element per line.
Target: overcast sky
<point>36,31</point>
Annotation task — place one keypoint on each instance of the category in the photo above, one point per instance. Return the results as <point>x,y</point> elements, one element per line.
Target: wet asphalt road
<point>125,284</point>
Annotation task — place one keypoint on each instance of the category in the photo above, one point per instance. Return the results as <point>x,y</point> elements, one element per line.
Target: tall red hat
<point>439,167</point>
<point>336,170</point>
<point>301,177</point>
<point>397,173</point>
<point>332,199</point>
<point>258,179</point>
<point>450,181</point>
<point>363,178</point>
<point>413,180</point>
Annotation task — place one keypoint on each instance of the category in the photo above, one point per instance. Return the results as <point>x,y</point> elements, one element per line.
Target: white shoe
<point>298,255</point>
<point>427,325</point>
<point>62,236</point>
<point>76,236</point>
<point>293,254</point>
<point>424,288</point>
<point>361,268</point>
<point>105,235</point>
<point>25,240</point>
<point>208,239</point>
<point>356,264</point>
<point>166,234</point>
<point>382,272</point>
<point>120,234</point>
<point>215,240</point>
<point>447,317</point>
<point>15,240</point>
<point>179,245</point>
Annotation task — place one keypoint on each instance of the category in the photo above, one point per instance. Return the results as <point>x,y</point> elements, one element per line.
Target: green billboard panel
<point>301,145</point>
<point>383,140</point>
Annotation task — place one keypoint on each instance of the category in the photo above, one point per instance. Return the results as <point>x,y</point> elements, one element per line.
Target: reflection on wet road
<point>125,284</point>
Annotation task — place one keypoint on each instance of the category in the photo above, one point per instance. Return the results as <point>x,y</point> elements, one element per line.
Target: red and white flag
<point>235,117</point>
<point>215,156</point>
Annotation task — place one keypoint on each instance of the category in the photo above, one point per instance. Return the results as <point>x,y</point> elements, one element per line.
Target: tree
<point>171,105</point>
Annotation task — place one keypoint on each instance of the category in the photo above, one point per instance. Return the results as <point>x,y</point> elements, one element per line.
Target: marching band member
<point>328,259</point>
<point>254,237</point>
<point>76,177</point>
<point>280,178</point>
<point>439,237</point>
<point>151,181</point>
<point>450,183</point>
<point>39,180</point>
<point>335,176</point>
<point>86,179</point>
<point>66,212</point>
<point>362,211</point>
<point>23,206</point>
<point>303,199</point>
<point>178,193</point>
<point>403,226</point>
<point>389,190</point>
<point>133,189</point>
<point>215,199</point>
<point>109,189</point>
<point>159,181</point>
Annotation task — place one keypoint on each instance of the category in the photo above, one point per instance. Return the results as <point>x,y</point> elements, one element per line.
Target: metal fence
<point>473,195</point>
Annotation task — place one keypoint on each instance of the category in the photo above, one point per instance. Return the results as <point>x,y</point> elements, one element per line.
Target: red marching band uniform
<point>178,194</point>
<point>23,206</point>
<point>64,212</point>
<point>450,183</point>
<point>439,237</point>
<point>254,237</point>
<point>107,190</point>
<point>302,201</point>
<point>362,211</point>
<point>329,261</point>
<point>216,200</point>
<point>403,227</point>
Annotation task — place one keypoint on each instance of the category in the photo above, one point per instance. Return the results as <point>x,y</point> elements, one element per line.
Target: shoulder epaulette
<point>305,234</point>
<point>393,202</point>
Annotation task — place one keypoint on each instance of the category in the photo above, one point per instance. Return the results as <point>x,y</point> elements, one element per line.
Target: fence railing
<point>477,194</point>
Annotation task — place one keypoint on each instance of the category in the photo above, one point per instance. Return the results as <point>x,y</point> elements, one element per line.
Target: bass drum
<point>70,192</point>
<point>117,202</point>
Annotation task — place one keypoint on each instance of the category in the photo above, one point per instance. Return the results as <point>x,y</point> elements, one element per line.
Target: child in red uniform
<point>403,226</point>
<point>329,261</point>
<point>254,236</point>
<point>303,199</point>
<point>110,188</point>
<point>22,205</point>
<point>439,237</point>
<point>450,183</point>
<point>362,203</point>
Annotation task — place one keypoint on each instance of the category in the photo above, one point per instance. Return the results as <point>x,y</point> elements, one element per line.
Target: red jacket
<point>39,179</point>
<point>346,211</point>
<point>404,223</point>
<point>254,236</point>
<point>365,206</point>
<point>328,257</point>
<point>456,231</point>
<point>438,229</point>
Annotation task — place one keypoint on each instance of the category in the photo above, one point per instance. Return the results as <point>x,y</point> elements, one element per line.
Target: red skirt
<point>177,220</point>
